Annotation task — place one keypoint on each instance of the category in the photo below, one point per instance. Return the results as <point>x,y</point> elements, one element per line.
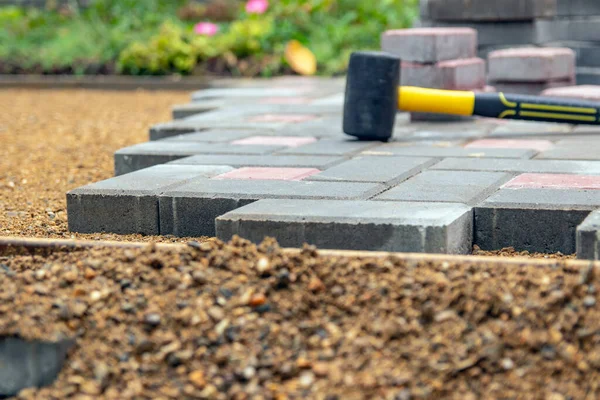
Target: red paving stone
<point>585,92</point>
<point>263,173</point>
<point>554,181</point>
<point>289,141</point>
<point>290,118</point>
<point>539,145</point>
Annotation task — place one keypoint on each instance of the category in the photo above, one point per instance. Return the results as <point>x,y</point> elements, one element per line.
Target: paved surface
<point>270,158</point>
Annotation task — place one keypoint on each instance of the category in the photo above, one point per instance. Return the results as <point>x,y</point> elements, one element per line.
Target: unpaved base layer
<point>56,140</point>
<point>221,321</point>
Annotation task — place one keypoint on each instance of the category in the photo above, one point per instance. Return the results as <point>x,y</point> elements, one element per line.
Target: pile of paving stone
<point>238,321</point>
<point>524,23</point>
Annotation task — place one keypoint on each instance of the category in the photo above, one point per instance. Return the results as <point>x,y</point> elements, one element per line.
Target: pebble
<point>589,301</point>
<point>316,285</point>
<point>152,320</point>
<point>306,379</point>
<point>258,300</point>
<point>197,379</point>
<point>507,364</point>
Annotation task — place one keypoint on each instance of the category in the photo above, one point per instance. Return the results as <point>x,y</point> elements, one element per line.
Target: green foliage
<point>153,37</point>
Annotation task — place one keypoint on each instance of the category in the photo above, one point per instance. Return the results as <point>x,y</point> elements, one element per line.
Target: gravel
<point>240,321</point>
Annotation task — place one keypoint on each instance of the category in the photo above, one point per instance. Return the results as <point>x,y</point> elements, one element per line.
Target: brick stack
<point>438,58</point>
<point>531,70</point>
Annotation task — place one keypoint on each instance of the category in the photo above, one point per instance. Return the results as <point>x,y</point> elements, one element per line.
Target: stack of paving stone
<point>531,70</point>
<point>438,58</point>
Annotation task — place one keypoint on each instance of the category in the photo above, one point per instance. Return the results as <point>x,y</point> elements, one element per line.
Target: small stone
<point>95,296</point>
<point>90,274</point>
<point>125,283</point>
<point>91,388</point>
<point>70,276</point>
<point>199,277</point>
<point>589,301</point>
<point>306,379</point>
<point>263,265</point>
<point>315,285</point>
<point>507,364</point>
<point>249,372</point>
<point>320,369</point>
<point>216,313</point>
<point>283,278</point>
<point>40,274</point>
<point>197,379</point>
<point>152,320</point>
<point>257,300</point>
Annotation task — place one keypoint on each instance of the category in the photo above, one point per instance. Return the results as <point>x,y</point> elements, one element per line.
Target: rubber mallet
<point>373,97</point>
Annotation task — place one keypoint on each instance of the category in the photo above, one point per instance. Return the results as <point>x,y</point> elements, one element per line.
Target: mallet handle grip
<point>498,105</point>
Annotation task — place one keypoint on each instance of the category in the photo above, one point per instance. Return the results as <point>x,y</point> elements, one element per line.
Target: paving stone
<point>392,149</point>
<point>580,29</point>
<point>536,220</point>
<point>285,100</point>
<point>491,10</point>
<point>219,93</point>
<point>337,147</point>
<point>588,76</point>
<point>184,126</point>
<point>430,45</point>
<point>191,209</point>
<point>577,7</point>
<point>446,186</point>
<point>264,173</point>
<point>181,111</point>
<point>461,74</point>
<point>582,92</point>
<point>285,141</point>
<point>213,136</point>
<point>521,128</point>
<point>147,154</point>
<point>554,181</point>
<point>569,149</point>
<point>511,165</point>
<point>335,100</point>
<point>532,88</point>
<point>388,170</point>
<point>297,161</point>
<point>588,237</point>
<point>533,64</point>
<point>358,225</point>
<point>493,34</point>
<point>129,204</point>
<point>587,54</point>
<point>532,144</point>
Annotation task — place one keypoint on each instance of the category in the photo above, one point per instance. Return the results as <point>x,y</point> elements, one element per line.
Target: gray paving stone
<point>491,10</point>
<point>245,92</point>
<point>147,154</point>
<point>519,128</point>
<point>336,147</point>
<point>128,203</point>
<point>569,149</point>
<point>587,53</point>
<point>465,187</point>
<point>358,225</point>
<point>585,29</point>
<point>577,7</point>
<point>183,126</point>
<point>588,76</point>
<point>320,162</point>
<point>180,111</point>
<point>214,136</point>
<point>539,220</point>
<point>387,170</point>
<point>393,149</point>
<point>507,165</point>
<point>493,33</point>
<point>443,133</point>
<point>588,237</point>
<point>190,210</point>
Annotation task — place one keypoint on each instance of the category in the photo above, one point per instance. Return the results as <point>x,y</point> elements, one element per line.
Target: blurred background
<point>192,37</point>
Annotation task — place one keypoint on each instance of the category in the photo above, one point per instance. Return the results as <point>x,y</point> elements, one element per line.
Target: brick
<point>392,149</point>
<point>532,88</point>
<point>296,161</point>
<point>129,203</point>
<point>568,8</point>
<point>287,141</point>
<point>446,186</point>
<point>536,220</point>
<point>554,181</point>
<point>354,225</point>
<point>181,111</point>
<point>588,237</point>
<point>587,54</point>
<point>532,144</point>
<point>582,92</point>
<point>507,165</point>
<point>533,64</point>
<point>430,45</point>
<point>580,149</point>
<point>493,34</point>
<point>580,29</point>
<point>336,147</point>
<point>145,155</point>
<point>212,136</point>
<point>464,74</point>
<point>491,10</point>
<point>191,209</point>
<point>388,170</point>
<point>263,173</point>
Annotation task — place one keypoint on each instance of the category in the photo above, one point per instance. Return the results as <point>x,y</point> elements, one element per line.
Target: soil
<point>237,321</point>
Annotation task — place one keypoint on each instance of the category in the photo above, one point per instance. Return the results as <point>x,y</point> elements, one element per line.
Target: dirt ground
<point>239,321</point>
<point>56,140</point>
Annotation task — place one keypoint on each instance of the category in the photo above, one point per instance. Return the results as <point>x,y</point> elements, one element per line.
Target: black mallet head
<point>371,99</point>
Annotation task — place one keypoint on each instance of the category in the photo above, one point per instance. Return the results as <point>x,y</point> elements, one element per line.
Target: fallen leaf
<point>300,58</point>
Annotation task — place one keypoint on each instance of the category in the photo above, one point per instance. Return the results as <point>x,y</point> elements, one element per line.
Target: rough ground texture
<point>54,141</point>
<point>240,321</point>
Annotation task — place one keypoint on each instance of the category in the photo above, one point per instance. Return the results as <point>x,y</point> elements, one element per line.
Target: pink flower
<point>257,6</point>
<point>206,28</point>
